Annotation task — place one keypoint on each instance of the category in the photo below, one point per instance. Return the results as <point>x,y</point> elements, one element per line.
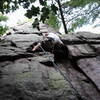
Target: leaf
<point>43,18</point>
<point>26,4</point>
<point>3,29</point>
<point>45,14</point>
<point>35,10</point>
<point>53,21</point>
<point>29,14</point>
<point>54,8</point>
<point>43,2</point>
<point>32,1</point>
<point>45,10</point>
<point>3,18</point>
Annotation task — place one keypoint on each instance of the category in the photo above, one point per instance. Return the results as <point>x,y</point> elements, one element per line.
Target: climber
<point>52,43</point>
<point>49,37</point>
<point>54,37</point>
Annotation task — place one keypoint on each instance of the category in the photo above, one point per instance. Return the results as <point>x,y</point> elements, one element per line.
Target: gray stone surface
<point>32,76</point>
<point>81,38</point>
<point>23,41</point>
<point>25,28</point>
<point>91,68</point>
<point>33,81</point>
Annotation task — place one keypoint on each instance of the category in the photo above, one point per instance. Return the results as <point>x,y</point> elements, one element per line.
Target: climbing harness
<point>65,77</point>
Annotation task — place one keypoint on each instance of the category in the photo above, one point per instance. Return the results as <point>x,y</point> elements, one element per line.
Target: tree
<point>62,16</point>
<point>77,12</point>
<point>33,11</point>
<point>3,28</point>
<point>53,21</point>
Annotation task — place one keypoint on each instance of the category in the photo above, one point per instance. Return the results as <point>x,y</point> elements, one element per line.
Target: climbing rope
<point>65,77</point>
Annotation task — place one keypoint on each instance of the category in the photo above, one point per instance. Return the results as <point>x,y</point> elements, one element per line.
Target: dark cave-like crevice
<point>47,63</point>
<point>13,58</point>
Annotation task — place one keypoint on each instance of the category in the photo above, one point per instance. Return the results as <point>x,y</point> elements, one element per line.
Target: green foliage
<point>3,18</point>
<point>34,11</point>
<point>3,29</point>
<point>80,3</point>
<point>77,18</point>
<point>45,14</point>
<point>11,5</point>
<point>43,2</point>
<point>81,12</point>
<point>79,22</point>
<point>52,21</point>
<point>54,8</point>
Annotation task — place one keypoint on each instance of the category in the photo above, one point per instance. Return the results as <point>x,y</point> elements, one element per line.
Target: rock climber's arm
<point>36,47</point>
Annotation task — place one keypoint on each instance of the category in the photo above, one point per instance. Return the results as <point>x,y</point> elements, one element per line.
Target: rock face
<point>33,76</point>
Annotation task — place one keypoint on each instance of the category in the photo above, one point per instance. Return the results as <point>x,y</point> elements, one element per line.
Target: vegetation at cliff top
<point>3,28</point>
<point>72,13</point>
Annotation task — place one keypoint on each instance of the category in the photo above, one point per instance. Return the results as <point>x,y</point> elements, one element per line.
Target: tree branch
<point>87,13</point>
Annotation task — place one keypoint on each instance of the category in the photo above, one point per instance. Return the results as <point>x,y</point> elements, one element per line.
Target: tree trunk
<point>62,17</point>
